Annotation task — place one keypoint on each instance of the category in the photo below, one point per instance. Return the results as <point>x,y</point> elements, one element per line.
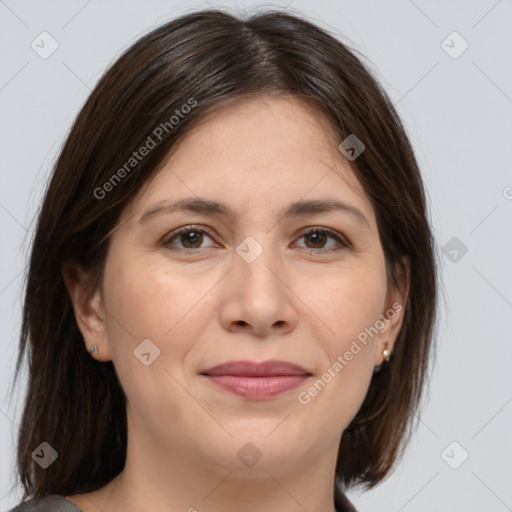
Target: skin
<point>200,309</point>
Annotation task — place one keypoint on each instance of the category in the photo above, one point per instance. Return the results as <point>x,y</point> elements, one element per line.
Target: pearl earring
<point>386,353</point>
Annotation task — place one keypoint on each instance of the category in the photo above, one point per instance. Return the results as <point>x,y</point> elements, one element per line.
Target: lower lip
<point>257,387</point>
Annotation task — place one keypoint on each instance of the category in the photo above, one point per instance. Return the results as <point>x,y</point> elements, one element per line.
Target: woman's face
<point>246,282</point>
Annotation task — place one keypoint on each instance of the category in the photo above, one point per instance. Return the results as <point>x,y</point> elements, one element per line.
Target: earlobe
<point>88,310</point>
<point>393,316</point>
<point>386,356</point>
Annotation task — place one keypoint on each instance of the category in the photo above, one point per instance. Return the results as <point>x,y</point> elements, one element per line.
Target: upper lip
<point>255,369</point>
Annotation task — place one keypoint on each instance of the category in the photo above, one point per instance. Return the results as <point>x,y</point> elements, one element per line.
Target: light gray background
<point>458,113</point>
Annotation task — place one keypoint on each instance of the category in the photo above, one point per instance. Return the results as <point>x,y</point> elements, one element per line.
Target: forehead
<point>264,130</point>
<point>256,152</point>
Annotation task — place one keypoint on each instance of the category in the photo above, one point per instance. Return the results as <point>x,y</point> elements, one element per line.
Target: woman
<point>232,285</point>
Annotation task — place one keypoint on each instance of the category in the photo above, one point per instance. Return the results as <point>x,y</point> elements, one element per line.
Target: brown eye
<point>317,238</point>
<point>188,238</point>
<point>191,238</point>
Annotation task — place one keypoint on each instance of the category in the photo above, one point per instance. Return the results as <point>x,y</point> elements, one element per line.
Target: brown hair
<point>205,59</point>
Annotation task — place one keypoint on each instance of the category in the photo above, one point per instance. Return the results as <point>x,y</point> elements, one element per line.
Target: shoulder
<point>52,503</point>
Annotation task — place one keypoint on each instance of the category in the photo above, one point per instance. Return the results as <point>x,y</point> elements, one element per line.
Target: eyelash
<point>342,244</point>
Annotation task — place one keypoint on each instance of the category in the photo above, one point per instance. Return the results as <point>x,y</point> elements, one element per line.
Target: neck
<point>178,480</point>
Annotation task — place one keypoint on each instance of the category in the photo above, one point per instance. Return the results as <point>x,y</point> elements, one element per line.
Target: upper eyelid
<point>304,231</point>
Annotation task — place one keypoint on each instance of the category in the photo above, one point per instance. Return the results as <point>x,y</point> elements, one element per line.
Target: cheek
<point>336,394</point>
<point>146,301</point>
<point>139,289</point>
<point>349,304</point>
<point>348,387</point>
<point>136,299</point>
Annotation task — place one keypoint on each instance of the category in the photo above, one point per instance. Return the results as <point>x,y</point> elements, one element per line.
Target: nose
<point>258,297</point>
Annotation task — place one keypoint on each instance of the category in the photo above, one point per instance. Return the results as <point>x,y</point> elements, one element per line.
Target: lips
<point>254,369</point>
<point>257,381</point>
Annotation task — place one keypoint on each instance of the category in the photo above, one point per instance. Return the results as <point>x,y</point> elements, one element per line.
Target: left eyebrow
<point>216,209</point>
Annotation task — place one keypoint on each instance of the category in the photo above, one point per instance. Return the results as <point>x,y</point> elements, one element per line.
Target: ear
<point>394,311</point>
<point>89,313</point>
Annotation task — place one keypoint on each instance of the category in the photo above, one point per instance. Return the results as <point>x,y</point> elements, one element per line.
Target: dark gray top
<point>58,503</point>
<point>52,503</point>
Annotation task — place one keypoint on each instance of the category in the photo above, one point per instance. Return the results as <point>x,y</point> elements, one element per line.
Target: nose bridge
<point>256,264</point>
